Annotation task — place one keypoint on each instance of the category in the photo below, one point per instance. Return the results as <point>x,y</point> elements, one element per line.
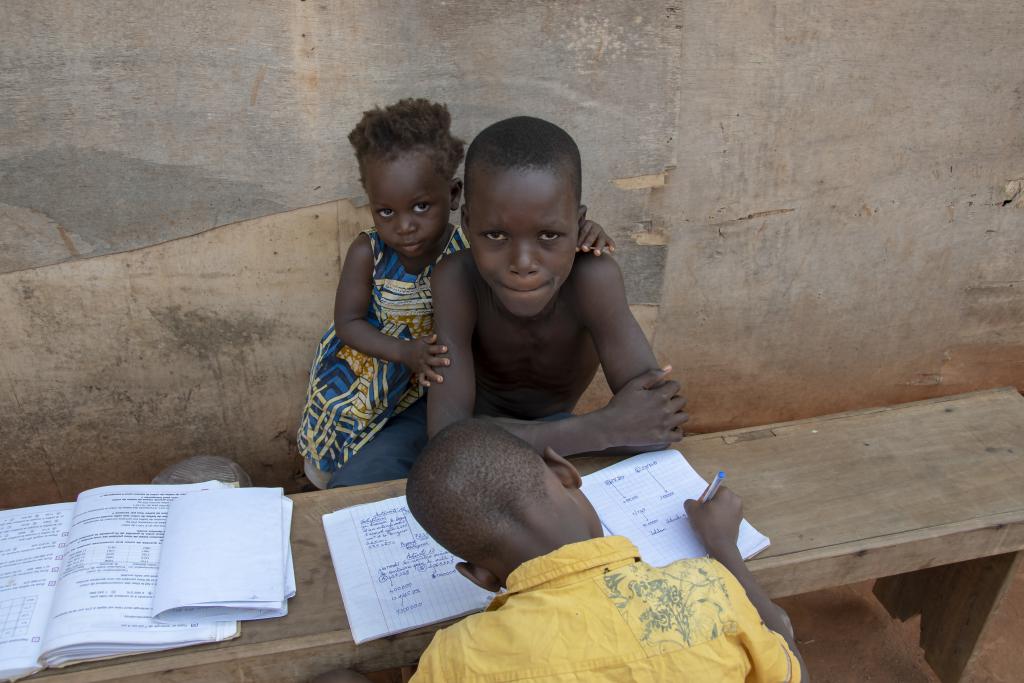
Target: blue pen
<point>712,488</point>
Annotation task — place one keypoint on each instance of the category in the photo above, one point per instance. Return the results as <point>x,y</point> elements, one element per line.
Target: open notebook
<point>642,499</point>
<point>395,578</point>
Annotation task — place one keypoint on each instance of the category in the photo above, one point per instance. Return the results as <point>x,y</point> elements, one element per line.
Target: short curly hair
<point>409,124</point>
<point>525,142</point>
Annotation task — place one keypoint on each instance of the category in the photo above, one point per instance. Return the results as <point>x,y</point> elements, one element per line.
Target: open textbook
<point>394,577</point>
<point>81,580</point>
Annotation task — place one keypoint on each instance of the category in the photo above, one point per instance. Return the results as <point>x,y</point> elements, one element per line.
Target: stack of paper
<point>226,556</point>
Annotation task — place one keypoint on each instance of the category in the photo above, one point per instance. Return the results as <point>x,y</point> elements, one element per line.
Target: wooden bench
<point>930,494</point>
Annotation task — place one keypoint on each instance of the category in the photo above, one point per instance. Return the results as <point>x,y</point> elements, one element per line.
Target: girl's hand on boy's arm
<point>423,355</point>
<point>594,239</point>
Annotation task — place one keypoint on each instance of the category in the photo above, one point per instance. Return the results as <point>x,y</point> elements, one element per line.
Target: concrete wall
<point>818,205</point>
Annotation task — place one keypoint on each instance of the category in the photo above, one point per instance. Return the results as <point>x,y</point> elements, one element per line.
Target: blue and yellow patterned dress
<point>351,395</point>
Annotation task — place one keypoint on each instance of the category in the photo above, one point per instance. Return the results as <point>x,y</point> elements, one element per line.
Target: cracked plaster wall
<point>818,205</point>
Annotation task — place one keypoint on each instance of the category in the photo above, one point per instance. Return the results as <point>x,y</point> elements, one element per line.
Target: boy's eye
<point>421,207</point>
<point>385,213</point>
<point>547,236</point>
<point>495,235</point>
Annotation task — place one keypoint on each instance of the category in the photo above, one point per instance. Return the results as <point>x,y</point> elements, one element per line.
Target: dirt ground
<point>846,635</point>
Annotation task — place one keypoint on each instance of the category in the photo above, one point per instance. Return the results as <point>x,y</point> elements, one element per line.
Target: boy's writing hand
<point>717,521</point>
<point>647,411</point>
<point>422,356</point>
<point>594,239</point>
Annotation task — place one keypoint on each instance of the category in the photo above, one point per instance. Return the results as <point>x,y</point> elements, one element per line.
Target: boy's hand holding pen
<point>716,518</point>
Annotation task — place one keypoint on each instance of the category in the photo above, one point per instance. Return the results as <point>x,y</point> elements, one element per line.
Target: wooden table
<point>928,493</point>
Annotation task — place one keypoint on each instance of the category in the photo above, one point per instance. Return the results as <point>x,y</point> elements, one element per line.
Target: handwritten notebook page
<point>642,499</point>
<point>393,576</point>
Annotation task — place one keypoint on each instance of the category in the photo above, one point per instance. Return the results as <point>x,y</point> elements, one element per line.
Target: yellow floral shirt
<point>592,611</point>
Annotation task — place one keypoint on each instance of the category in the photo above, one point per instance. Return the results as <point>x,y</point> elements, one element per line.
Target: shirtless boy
<point>526,322</point>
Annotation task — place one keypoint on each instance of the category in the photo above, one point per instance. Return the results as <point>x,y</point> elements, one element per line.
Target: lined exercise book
<point>642,499</point>
<point>394,577</point>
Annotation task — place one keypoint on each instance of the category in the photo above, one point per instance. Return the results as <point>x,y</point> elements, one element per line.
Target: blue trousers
<point>391,453</point>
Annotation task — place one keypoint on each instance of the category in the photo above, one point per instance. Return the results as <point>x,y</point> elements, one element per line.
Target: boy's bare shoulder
<point>455,285</point>
<point>596,274</point>
<point>597,292</point>
<point>454,268</point>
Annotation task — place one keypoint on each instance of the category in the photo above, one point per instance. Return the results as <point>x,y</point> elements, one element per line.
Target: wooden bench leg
<point>955,602</point>
<point>903,594</point>
<point>398,675</point>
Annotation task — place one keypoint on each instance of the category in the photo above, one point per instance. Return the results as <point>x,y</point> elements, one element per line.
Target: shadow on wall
<point>75,202</point>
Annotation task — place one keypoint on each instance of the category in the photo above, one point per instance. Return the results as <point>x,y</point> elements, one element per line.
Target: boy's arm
<point>453,399</point>
<point>455,317</point>
<point>601,297</point>
<point>646,411</point>
<point>717,522</point>
<point>653,417</point>
<point>351,304</point>
<point>639,418</point>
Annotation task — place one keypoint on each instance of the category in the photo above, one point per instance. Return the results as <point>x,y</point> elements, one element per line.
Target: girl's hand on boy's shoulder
<point>593,239</point>
<point>423,355</point>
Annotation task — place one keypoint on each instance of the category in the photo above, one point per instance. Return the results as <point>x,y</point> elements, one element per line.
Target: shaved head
<point>471,486</point>
<point>525,143</point>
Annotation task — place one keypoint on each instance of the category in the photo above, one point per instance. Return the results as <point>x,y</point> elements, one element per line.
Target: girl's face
<point>411,203</point>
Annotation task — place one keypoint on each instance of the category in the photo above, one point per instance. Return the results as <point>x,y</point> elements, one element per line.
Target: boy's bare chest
<point>553,351</point>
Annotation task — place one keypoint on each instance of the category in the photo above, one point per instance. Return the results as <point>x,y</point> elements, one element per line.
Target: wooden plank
<point>877,473</point>
<point>892,490</point>
<point>887,555</point>
<point>290,660</point>
<point>903,408</point>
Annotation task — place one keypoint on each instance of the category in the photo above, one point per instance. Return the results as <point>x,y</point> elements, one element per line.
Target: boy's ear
<point>456,193</point>
<point>479,576</point>
<point>464,216</point>
<point>563,469</point>
<point>581,214</point>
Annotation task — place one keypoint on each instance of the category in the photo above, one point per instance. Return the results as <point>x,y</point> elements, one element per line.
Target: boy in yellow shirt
<point>580,606</point>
